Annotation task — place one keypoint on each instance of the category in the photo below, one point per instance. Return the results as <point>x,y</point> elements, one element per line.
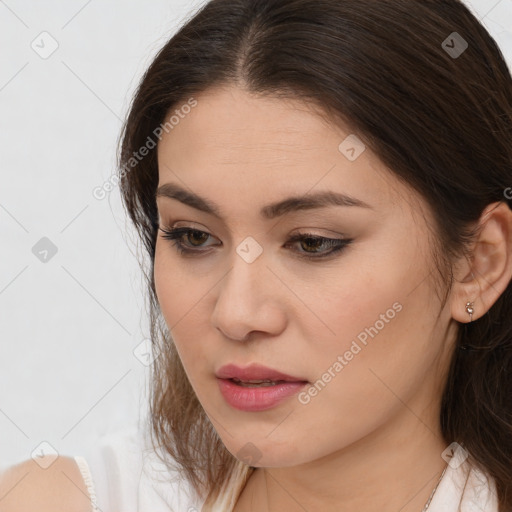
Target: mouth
<point>256,388</point>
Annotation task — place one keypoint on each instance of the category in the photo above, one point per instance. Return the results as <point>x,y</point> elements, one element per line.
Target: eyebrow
<point>271,211</point>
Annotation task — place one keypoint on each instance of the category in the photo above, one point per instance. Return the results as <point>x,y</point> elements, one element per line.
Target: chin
<point>261,451</point>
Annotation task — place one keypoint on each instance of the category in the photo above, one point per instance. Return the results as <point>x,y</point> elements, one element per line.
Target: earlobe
<point>487,273</point>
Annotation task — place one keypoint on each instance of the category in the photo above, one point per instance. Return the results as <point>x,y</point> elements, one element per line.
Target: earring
<point>470,310</point>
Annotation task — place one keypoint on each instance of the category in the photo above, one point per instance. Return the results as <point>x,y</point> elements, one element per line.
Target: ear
<point>485,275</point>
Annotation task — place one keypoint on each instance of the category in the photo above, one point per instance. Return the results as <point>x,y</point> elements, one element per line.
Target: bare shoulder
<point>58,488</point>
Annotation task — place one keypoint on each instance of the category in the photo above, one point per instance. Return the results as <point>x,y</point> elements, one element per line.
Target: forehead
<point>264,147</point>
<point>236,121</point>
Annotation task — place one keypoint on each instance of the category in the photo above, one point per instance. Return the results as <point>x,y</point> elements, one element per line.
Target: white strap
<point>86,475</point>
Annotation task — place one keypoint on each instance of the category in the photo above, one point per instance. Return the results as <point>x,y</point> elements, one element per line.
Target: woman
<point>323,190</point>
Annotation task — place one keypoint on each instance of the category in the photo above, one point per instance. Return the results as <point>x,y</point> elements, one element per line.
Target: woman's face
<point>357,329</point>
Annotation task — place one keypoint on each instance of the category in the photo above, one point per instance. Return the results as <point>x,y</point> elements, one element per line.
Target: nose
<point>249,301</point>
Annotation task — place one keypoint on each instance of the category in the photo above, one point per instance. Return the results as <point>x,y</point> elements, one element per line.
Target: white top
<point>123,473</point>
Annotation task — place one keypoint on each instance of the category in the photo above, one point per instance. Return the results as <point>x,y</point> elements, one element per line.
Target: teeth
<point>255,383</point>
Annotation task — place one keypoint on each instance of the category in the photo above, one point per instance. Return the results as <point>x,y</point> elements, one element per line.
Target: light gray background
<point>69,326</point>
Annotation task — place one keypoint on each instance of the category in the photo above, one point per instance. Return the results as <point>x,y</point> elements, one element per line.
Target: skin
<point>370,440</point>
<point>51,485</point>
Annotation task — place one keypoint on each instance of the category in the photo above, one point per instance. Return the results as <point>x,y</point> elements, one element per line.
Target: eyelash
<point>175,234</point>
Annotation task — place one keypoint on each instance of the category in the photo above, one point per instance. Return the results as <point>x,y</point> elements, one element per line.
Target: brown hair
<point>441,122</point>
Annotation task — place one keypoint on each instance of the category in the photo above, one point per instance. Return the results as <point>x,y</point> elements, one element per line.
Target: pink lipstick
<point>256,387</point>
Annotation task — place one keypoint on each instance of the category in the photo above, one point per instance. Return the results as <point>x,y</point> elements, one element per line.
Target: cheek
<point>377,322</point>
<point>356,305</point>
<point>183,302</point>
<point>381,298</point>
<point>172,292</point>
<point>176,289</point>
<point>168,286</point>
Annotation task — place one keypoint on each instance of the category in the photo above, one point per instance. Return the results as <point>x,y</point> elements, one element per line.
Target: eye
<point>177,234</point>
<point>310,242</point>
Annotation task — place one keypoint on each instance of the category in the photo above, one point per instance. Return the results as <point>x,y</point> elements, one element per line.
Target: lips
<point>254,374</point>
<point>256,388</point>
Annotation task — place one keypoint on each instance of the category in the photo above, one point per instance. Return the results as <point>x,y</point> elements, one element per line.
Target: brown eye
<point>310,243</point>
<point>185,239</point>
<point>198,236</point>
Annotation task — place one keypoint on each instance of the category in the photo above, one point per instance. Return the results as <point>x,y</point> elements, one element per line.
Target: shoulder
<point>58,488</point>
